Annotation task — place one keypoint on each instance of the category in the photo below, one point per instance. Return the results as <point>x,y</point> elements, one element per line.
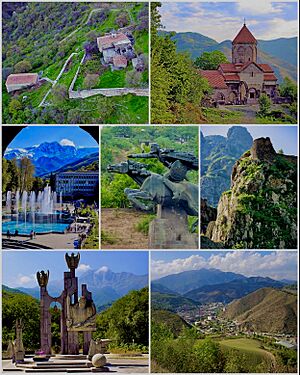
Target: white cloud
<point>102,269</point>
<point>83,268</point>
<point>26,281</point>
<point>66,142</point>
<point>253,8</point>
<point>277,265</point>
<point>217,25</point>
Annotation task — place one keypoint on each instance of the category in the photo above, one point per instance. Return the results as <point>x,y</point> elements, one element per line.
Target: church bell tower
<point>244,47</point>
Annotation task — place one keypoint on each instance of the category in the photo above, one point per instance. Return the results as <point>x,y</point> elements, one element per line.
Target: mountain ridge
<point>280,53</point>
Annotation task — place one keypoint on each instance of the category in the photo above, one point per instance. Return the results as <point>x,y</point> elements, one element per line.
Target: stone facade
<point>77,314</point>
<point>243,80</point>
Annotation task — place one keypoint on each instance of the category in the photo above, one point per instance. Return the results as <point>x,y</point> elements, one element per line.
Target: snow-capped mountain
<point>50,156</point>
<point>106,285</point>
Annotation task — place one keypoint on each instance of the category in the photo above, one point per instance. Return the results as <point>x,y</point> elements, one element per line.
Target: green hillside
<point>266,310</point>
<point>173,321</point>
<point>280,53</point>
<point>171,302</point>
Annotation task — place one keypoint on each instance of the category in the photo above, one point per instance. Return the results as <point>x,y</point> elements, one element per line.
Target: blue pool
<point>38,228</point>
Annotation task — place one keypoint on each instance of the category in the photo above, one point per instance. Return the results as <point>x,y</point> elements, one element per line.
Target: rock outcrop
<point>260,209</point>
<point>218,155</point>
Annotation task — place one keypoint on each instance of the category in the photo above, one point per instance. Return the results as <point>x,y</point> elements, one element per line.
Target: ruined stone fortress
<point>243,80</point>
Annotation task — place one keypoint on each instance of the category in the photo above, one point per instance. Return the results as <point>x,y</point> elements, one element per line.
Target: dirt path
<point>119,225</point>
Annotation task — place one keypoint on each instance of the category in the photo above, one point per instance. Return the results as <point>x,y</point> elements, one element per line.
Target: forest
<point>40,37</point>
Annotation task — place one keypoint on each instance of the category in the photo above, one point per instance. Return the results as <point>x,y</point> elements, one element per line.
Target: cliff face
<point>218,155</point>
<point>260,210</point>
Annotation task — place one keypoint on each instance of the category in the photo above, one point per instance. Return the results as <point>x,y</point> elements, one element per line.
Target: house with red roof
<point>116,47</point>
<point>21,81</point>
<point>243,80</point>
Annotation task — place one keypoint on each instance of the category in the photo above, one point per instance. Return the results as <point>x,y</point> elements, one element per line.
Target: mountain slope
<point>173,321</point>
<point>260,210</point>
<point>226,292</point>
<point>171,302</point>
<point>185,281</point>
<point>218,155</point>
<point>266,310</point>
<point>51,156</point>
<point>280,53</point>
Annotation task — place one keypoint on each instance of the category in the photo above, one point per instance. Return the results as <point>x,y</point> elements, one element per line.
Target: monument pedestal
<point>170,230</point>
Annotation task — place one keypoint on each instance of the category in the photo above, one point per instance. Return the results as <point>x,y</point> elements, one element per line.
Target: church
<point>243,80</point>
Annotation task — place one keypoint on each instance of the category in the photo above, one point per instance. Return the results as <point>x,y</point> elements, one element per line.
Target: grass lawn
<point>220,116</point>
<point>113,79</point>
<point>251,348</point>
<point>35,96</point>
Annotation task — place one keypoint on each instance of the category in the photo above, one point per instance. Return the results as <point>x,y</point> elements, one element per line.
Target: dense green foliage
<point>40,37</point>
<point>118,142</point>
<point>210,60</point>
<point>177,88</point>
<point>20,306</point>
<point>188,352</point>
<point>19,175</point>
<point>126,321</point>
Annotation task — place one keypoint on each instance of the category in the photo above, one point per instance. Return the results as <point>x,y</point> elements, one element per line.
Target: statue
<point>81,315</point>
<point>17,346</point>
<point>171,195</point>
<point>77,315</point>
<point>42,278</point>
<point>72,261</point>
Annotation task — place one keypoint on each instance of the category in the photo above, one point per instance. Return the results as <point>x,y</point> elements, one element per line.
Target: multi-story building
<point>76,183</point>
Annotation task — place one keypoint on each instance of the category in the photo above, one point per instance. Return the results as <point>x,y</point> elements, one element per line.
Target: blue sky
<point>282,137</point>
<point>35,135</point>
<point>19,268</point>
<point>276,264</point>
<point>223,19</point>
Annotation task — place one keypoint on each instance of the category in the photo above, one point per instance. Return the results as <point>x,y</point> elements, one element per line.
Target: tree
<point>15,106</point>
<point>122,20</point>
<point>264,105</point>
<point>60,94</point>
<point>23,66</point>
<point>126,321</point>
<point>288,89</point>
<point>133,78</point>
<point>210,60</point>
<point>90,81</point>
<point>26,174</point>
<point>208,357</point>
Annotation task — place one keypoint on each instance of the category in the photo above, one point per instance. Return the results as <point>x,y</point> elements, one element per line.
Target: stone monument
<point>171,196</point>
<point>16,348</point>
<point>77,315</point>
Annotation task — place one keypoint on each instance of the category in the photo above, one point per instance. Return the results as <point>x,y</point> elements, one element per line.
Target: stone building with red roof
<point>21,81</point>
<point>243,80</point>
<point>116,47</point>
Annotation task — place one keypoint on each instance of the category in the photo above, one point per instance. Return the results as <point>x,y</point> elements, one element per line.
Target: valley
<point>257,323</point>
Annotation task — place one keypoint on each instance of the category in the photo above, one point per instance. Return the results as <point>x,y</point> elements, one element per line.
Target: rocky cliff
<point>260,209</point>
<point>218,155</point>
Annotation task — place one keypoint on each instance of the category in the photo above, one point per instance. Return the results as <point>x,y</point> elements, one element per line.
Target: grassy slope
<point>267,309</point>
<point>173,321</point>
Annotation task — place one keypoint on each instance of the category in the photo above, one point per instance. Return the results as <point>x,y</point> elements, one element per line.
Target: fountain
<point>39,212</point>
<point>8,201</point>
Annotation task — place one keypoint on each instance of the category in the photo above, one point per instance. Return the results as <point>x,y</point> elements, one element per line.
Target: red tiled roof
<point>107,41</point>
<point>244,36</point>
<point>270,77</point>
<point>249,63</point>
<point>266,68</point>
<point>231,77</point>
<point>215,78</point>
<point>119,60</point>
<point>22,79</point>
<point>228,68</point>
